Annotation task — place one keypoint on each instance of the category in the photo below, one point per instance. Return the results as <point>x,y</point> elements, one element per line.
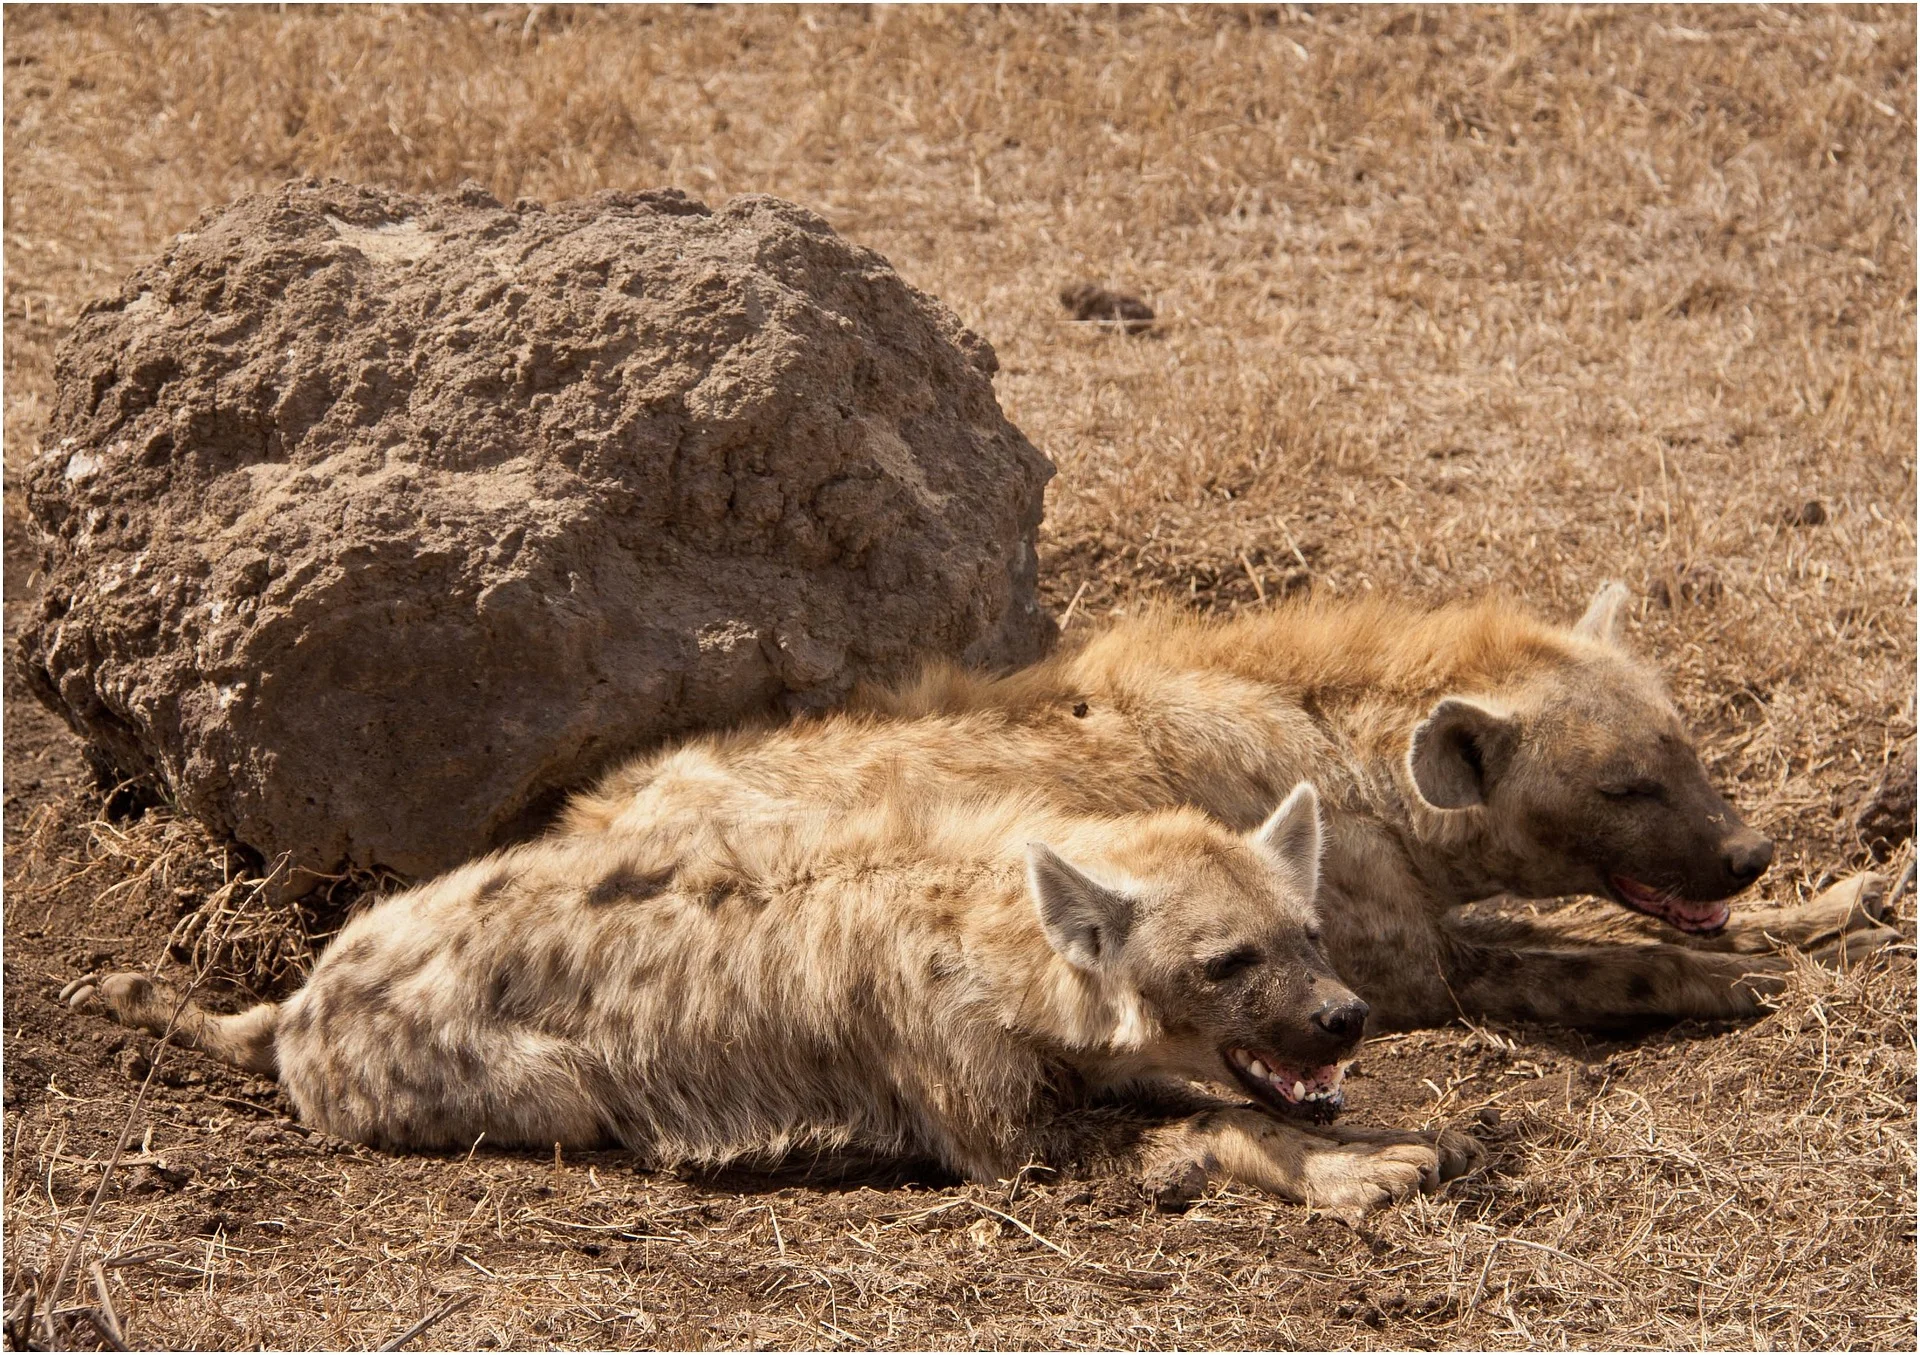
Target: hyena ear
<point>1086,922</point>
<point>1460,751</point>
<point>1602,619</point>
<point>1291,836</point>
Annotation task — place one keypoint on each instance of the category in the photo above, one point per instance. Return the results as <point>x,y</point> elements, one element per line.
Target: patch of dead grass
<point>1449,300</point>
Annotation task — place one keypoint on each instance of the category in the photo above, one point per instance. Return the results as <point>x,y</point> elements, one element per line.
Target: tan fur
<point>1170,710</point>
<point>880,982</point>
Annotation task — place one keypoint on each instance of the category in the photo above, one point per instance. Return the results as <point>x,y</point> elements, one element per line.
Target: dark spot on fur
<point>1080,710</point>
<point>500,991</point>
<point>467,1063</point>
<point>357,951</point>
<point>1639,988</point>
<point>371,996</point>
<point>719,895</point>
<point>628,886</point>
<point>297,1020</point>
<point>492,885</point>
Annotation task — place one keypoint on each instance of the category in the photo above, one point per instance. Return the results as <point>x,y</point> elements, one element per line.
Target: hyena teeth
<point>1299,1089</point>
<point>1257,1068</point>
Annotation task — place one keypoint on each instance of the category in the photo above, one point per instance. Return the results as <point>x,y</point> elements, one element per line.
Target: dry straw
<point>1448,300</point>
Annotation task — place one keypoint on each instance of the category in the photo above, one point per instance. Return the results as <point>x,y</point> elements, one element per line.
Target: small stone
<point>1698,584</point>
<point>1087,302</point>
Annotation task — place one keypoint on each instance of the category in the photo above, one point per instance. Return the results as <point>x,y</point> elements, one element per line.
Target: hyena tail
<point>245,1040</point>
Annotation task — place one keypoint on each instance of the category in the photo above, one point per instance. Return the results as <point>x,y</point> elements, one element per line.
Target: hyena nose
<point>1343,1020</point>
<point>1748,857</point>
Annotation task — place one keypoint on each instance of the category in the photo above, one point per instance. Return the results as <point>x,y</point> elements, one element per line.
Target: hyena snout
<point>1344,1020</point>
<point>1746,856</point>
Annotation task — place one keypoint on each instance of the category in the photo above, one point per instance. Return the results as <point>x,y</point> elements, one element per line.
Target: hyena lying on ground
<point>914,980</point>
<point>1462,753</point>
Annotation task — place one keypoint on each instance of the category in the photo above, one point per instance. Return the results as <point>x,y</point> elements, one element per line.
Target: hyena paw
<point>1459,1153</point>
<point>80,994</point>
<point>130,999</point>
<point>1854,947</point>
<point>1175,1184</point>
<point>1355,1177</point>
<point>1455,1153</point>
<point>1855,902</point>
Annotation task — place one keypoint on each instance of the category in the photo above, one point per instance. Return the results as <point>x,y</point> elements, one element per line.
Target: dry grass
<point>1450,300</point>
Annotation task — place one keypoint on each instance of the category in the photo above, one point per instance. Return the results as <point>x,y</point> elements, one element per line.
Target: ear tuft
<point>1292,836</point>
<point>1459,752</point>
<point>1086,922</point>
<point>1601,621</point>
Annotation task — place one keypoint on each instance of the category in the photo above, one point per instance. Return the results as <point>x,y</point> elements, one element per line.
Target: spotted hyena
<point>985,984</point>
<point>1462,753</point>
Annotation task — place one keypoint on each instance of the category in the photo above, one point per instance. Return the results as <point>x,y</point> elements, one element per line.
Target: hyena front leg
<point>1853,911</point>
<point>1603,986</point>
<point>1855,908</point>
<point>1344,1168</point>
<point>1337,1167</point>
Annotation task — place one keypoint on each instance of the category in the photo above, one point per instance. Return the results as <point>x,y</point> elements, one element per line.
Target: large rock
<point>376,522</point>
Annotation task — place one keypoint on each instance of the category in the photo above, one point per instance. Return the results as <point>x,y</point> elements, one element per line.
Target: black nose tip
<point>1343,1020</point>
<point>1748,859</point>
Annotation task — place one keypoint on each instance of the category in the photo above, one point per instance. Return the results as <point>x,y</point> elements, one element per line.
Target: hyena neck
<point>1448,852</point>
<point>1066,1016</point>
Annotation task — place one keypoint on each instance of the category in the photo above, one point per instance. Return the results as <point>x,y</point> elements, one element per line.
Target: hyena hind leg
<point>245,1040</point>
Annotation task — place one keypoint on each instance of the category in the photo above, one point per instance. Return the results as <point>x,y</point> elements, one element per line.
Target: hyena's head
<point>1588,784</point>
<point>1217,940</point>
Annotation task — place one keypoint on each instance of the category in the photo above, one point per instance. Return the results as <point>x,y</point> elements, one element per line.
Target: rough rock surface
<point>375,522</point>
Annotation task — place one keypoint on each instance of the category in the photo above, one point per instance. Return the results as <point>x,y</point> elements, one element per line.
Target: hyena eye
<point>1223,967</point>
<point>1634,790</point>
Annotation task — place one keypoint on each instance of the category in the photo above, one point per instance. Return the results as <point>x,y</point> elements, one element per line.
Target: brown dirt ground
<point>1447,301</point>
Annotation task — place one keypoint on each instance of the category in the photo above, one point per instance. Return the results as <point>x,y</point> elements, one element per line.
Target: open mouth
<point>1668,906</point>
<point>1312,1092</point>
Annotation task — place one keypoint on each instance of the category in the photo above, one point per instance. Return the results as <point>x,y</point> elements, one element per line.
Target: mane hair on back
<point>1340,648</point>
